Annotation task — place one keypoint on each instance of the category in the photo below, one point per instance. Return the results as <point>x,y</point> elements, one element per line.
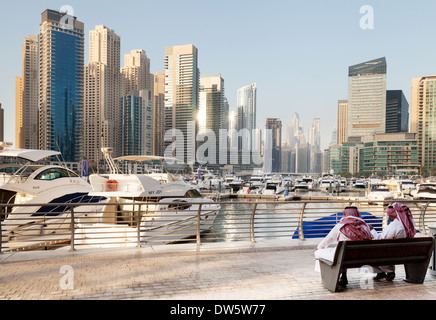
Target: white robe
<point>327,247</point>
<point>394,230</point>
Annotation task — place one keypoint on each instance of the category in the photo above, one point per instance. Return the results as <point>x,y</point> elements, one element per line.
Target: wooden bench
<point>414,254</point>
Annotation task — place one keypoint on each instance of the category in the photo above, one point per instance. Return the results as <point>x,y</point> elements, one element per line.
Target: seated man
<point>351,227</point>
<point>401,226</point>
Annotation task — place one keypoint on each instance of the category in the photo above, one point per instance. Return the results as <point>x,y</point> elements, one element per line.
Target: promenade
<point>267,270</point>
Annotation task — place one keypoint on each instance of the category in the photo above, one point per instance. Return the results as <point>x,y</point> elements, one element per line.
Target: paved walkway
<point>268,270</point>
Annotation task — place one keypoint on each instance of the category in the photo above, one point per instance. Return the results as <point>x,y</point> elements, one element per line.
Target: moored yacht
<point>164,211</point>
<point>36,185</point>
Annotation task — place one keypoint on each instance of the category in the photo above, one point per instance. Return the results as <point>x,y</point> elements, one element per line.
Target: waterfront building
<point>213,111</point>
<point>103,91</point>
<point>342,130</point>
<point>61,64</point>
<point>159,114</point>
<point>275,125</point>
<point>246,114</point>
<point>423,119</point>
<point>397,112</point>
<point>389,153</point>
<point>137,125</point>
<point>26,97</point>
<point>344,158</point>
<point>367,98</point>
<point>182,80</point>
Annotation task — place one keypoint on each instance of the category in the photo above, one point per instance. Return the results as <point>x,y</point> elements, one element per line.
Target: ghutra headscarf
<point>355,228</point>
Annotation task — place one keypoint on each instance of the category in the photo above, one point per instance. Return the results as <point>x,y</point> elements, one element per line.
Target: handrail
<point>236,220</point>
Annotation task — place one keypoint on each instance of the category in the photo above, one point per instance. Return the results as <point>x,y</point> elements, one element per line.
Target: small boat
<point>424,191</point>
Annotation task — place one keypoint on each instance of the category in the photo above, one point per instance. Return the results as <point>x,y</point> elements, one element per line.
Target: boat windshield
<point>429,189</point>
<point>193,194</point>
<point>55,173</point>
<point>379,188</point>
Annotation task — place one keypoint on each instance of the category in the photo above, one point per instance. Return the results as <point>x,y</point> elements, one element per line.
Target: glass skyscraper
<point>367,98</point>
<point>61,63</point>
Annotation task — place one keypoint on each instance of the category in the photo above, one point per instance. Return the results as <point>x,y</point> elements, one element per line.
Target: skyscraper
<point>182,79</point>
<point>158,114</point>
<point>397,112</point>
<point>246,113</point>
<point>26,93</point>
<point>367,98</point>
<point>103,91</point>
<point>61,60</point>
<point>136,125</point>
<point>213,109</point>
<point>422,118</point>
<point>342,130</point>
<point>136,72</point>
<point>275,125</point>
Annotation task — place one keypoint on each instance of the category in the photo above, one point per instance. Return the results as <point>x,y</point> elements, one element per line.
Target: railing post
<point>253,214</point>
<point>198,225</point>
<point>139,227</point>
<point>300,222</point>
<point>72,247</point>
<point>423,210</point>
<point>1,232</point>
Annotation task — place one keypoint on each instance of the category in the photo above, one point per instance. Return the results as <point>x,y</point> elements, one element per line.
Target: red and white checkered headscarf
<point>355,228</point>
<point>403,214</point>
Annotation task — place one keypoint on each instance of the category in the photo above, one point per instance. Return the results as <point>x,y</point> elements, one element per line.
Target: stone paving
<point>269,270</point>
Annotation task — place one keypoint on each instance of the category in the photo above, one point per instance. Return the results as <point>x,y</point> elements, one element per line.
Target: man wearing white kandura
<point>401,226</point>
<point>350,228</point>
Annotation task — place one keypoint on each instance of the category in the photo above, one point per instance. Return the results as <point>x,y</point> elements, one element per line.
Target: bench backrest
<point>384,252</point>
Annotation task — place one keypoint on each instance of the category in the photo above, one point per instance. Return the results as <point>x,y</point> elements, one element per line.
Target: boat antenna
<point>107,153</point>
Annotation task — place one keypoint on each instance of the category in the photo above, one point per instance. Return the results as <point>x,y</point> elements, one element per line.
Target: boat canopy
<point>146,158</point>
<point>28,154</point>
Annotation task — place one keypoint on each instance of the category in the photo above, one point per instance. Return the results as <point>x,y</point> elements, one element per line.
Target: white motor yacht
<point>166,211</point>
<point>35,185</point>
<point>424,191</point>
<point>380,192</point>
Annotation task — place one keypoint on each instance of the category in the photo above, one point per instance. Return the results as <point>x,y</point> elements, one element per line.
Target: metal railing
<point>139,224</point>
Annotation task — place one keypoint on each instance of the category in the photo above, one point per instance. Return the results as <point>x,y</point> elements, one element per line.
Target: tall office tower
<point>26,93</point>
<point>422,118</point>
<point>182,80</point>
<point>212,110</point>
<point>136,72</point>
<point>246,113</point>
<point>367,98</point>
<point>314,135</point>
<point>397,112</point>
<point>342,121</point>
<point>294,131</point>
<point>61,60</point>
<point>275,125</point>
<point>158,114</point>
<point>103,91</point>
<point>136,124</point>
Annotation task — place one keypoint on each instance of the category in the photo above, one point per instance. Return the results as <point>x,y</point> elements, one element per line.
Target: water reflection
<point>278,219</point>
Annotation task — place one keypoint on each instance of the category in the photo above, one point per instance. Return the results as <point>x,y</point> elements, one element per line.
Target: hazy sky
<point>298,52</point>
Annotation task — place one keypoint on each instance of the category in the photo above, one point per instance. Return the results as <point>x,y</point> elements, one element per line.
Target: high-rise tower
<point>61,60</point>
<point>367,98</point>
<point>182,79</point>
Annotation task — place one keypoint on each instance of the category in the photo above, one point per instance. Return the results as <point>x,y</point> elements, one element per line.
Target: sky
<point>297,52</point>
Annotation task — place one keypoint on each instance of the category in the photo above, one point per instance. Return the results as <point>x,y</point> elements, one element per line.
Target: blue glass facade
<point>66,94</point>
